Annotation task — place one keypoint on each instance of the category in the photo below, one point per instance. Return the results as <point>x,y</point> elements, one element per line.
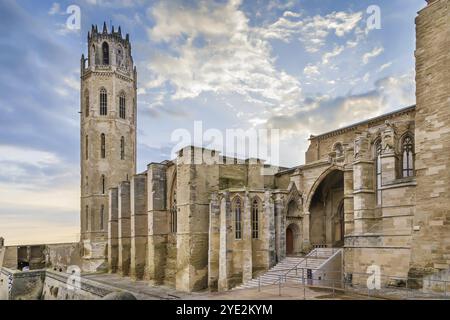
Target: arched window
<point>86,103</point>
<point>105,50</point>
<point>103,102</point>
<point>86,146</point>
<point>255,219</point>
<point>238,218</point>
<point>408,156</point>
<point>122,105</point>
<point>378,170</point>
<point>102,217</point>
<point>103,184</point>
<point>122,148</point>
<point>103,146</point>
<point>86,222</point>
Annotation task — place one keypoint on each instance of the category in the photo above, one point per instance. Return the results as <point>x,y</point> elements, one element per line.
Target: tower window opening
<point>103,146</point>
<point>122,109</point>
<point>87,148</point>
<point>122,148</point>
<point>102,217</point>
<point>86,106</point>
<point>103,184</point>
<point>105,50</point>
<point>103,102</point>
<point>86,218</point>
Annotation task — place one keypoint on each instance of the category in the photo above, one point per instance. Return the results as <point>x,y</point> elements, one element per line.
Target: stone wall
<point>431,239</point>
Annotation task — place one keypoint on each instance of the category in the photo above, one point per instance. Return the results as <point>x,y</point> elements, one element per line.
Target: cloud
<point>215,50</point>
<point>311,70</point>
<point>372,54</point>
<point>323,113</point>
<point>55,9</point>
<point>311,31</point>
<point>328,55</point>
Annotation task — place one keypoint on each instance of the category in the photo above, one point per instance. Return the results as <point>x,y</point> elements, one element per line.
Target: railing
<point>391,287</point>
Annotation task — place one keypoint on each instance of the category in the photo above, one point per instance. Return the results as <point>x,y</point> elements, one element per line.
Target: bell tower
<point>107,135</point>
<point>431,235</point>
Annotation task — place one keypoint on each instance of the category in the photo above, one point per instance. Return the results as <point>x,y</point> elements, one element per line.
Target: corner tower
<point>431,235</point>
<point>108,133</point>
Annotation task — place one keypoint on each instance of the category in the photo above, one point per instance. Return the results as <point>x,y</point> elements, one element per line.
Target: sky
<point>301,66</point>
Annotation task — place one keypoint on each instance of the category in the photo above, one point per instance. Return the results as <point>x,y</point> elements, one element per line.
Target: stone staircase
<point>291,268</point>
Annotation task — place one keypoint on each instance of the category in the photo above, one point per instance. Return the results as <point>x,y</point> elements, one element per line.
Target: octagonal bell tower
<point>108,134</point>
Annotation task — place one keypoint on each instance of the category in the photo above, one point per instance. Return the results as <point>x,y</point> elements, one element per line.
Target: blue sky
<point>302,66</point>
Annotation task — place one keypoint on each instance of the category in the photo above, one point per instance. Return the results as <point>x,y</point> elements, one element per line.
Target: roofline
<point>353,126</point>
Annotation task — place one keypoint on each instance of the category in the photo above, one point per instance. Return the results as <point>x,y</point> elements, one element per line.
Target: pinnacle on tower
<point>120,32</point>
<point>105,29</point>
<point>112,31</point>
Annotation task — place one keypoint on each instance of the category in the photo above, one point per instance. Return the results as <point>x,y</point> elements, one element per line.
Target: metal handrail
<point>445,283</point>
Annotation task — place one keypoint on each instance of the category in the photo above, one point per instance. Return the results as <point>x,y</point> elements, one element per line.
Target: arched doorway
<point>289,241</point>
<point>326,211</point>
<point>293,238</point>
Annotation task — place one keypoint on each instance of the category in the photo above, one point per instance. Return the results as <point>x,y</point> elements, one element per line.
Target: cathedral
<point>376,191</point>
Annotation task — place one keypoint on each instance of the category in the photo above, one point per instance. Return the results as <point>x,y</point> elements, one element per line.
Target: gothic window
<point>103,184</point>
<point>238,218</point>
<point>103,146</point>
<point>105,50</point>
<point>86,103</point>
<point>255,219</point>
<point>378,170</point>
<point>102,217</point>
<point>173,214</point>
<point>122,105</point>
<point>86,145</point>
<point>103,102</point>
<point>408,156</point>
<point>122,148</point>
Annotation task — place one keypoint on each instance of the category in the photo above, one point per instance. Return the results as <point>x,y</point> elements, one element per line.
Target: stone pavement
<point>143,291</point>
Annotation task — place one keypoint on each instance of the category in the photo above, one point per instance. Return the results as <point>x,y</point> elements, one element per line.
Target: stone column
<point>363,184</point>
<point>247,256</point>
<point>226,239</point>
<point>268,219</point>
<point>157,222</point>
<point>388,157</point>
<point>113,230</point>
<point>348,200</point>
<point>280,227</point>
<point>124,229</point>
<point>214,242</point>
<point>139,226</point>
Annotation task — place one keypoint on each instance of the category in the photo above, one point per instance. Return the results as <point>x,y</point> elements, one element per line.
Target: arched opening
<point>326,211</point>
<point>105,51</point>
<point>292,238</point>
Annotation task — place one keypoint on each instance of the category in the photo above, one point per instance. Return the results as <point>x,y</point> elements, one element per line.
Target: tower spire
<point>105,28</point>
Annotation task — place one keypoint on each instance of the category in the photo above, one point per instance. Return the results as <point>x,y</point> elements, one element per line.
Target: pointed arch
<point>256,209</point>
<point>237,206</point>
<point>122,105</point>
<point>86,103</point>
<point>103,146</point>
<point>103,102</point>
<point>105,52</point>
<point>407,149</point>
